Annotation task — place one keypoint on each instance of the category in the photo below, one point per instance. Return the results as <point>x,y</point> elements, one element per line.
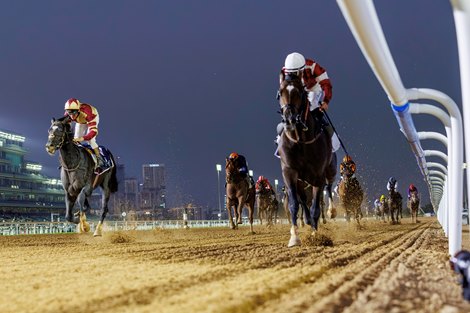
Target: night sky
<point>185,83</point>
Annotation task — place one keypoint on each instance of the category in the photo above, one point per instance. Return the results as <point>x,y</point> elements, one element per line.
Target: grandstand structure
<point>25,193</point>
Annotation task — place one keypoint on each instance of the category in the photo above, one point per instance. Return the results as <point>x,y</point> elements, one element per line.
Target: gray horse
<point>78,175</point>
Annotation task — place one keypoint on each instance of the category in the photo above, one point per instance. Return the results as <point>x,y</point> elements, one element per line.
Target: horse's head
<point>58,134</point>
<point>230,169</point>
<point>292,100</point>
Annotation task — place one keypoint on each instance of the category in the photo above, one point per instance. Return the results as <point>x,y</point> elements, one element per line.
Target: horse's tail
<point>113,182</point>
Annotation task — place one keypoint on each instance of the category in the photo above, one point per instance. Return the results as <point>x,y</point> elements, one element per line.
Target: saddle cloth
<point>104,152</point>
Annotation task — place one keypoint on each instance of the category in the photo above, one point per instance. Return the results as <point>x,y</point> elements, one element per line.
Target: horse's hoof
<point>314,233</point>
<point>86,227</point>
<point>332,213</point>
<point>293,241</point>
<point>97,233</point>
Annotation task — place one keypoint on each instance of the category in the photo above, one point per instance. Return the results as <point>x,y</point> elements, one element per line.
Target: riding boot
<point>279,129</point>
<point>249,179</point>
<point>99,158</point>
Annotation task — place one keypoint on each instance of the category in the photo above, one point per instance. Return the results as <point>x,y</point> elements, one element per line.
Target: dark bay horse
<point>395,205</point>
<point>305,151</point>
<point>351,195</point>
<point>413,206</point>
<point>238,194</point>
<point>267,205</point>
<point>78,175</point>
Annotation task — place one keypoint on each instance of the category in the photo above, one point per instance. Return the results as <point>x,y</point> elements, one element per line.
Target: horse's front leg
<point>69,204</point>
<point>293,209</point>
<point>229,213</point>
<point>304,213</point>
<point>331,213</point>
<point>258,205</point>
<point>315,208</point>
<point>104,212</point>
<point>83,205</point>
<point>238,213</point>
<point>322,208</point>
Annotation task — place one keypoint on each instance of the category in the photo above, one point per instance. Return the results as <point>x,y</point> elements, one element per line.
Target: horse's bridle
<point>298,119</point>
<point>57,146</point>
<point>53,136</point>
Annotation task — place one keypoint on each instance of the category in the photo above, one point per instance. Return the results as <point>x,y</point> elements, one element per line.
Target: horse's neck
<point>70,154</point>
<point>233,176</point>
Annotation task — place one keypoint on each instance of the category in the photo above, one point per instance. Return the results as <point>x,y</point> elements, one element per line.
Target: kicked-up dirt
<point>379,268</point>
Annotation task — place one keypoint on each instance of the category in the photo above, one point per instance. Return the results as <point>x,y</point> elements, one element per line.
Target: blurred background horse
<point>351,195</point>
<point>413,205</point>
<point>238,194</point>
<point>267,206</point>
<point>395,205</point>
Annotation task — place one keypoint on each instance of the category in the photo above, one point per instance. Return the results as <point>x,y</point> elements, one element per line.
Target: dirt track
<point>381,268</point>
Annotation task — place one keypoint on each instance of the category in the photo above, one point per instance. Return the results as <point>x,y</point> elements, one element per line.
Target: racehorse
<point>413,206</point>
<point>351,195</point>
<point>78,175</point>
<point>306,154</point>
<point>395,205</point>
<point>267,206</point>
<point>238,194</point>
<point>384,210</point>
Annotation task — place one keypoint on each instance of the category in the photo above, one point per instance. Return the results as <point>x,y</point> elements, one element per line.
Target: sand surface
<point>380,268</point>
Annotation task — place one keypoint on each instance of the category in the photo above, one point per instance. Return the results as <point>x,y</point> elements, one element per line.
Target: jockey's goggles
<point>72,112</point>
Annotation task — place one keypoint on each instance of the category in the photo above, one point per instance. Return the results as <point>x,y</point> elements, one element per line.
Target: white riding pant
<point>315,97</point>
<point>82,129</point>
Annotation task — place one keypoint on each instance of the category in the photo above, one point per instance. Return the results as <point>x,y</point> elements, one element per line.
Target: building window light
<point>12,136</point>
<point>33,167</point>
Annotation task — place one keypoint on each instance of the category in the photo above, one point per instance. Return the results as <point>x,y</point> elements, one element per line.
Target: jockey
<point>376,203</point>
<point>317,84</point>
<point>263,183</point>
<point>347,164</point>
<point>411,189</point>
<point>392,183</point>
<point>241,165</point>
<point>86,128</point>
<point>382,198</point>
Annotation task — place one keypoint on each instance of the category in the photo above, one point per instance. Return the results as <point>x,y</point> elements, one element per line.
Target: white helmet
<point>294,62</point>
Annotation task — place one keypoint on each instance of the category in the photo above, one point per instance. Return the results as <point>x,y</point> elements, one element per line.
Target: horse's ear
<point>53,120</point>
<point>64,119</point>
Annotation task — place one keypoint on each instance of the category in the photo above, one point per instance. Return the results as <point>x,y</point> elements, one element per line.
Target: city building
<point>152,194</point>
<point>26,193</point>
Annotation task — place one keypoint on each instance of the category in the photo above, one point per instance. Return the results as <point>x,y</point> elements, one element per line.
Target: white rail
<point>35,228</point>
<point>365,26</point>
